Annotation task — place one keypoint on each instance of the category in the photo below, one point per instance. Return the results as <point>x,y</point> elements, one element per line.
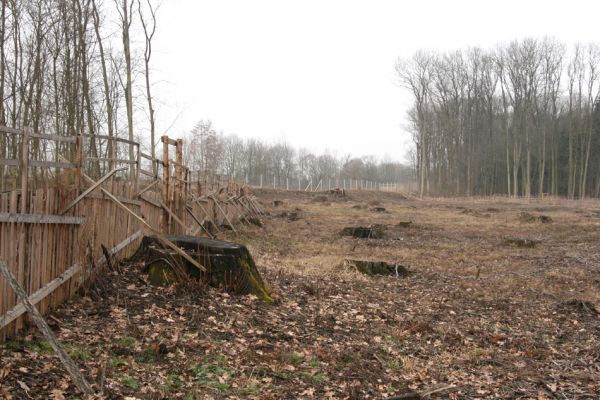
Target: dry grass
<point>451,238</point>
<point>477,316</point>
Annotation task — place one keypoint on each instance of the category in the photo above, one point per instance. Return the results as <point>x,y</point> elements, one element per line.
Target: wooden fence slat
<point>91,188</point>
<point>41,219</point>
<point>71,367</point>
<point>51,286</point>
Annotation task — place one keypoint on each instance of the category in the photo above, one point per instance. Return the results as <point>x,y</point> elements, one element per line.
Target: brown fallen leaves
<point>332,334</point>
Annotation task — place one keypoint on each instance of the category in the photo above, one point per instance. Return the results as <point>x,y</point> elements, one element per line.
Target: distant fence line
<point>308,184</point>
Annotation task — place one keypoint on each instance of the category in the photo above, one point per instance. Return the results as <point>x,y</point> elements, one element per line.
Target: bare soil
<point>476,317</point>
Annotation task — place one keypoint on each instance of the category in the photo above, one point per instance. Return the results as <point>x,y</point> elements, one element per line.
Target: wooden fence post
<point>166,183</point>
<point>24,171</point>
<point>138,168</point>
<point>178,167</point>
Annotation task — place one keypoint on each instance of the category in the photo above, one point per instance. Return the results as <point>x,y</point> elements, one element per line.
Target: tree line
<point>519,119</point>
<point>247,160</point>
<point>69,67</point>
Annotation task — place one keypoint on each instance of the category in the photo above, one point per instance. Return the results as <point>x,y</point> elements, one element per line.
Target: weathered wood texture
<point>53,224</point>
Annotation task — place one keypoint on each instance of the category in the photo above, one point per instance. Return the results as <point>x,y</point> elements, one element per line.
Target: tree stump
<point>229,265</point>
<point>372,268</point>
<point>364,232</point>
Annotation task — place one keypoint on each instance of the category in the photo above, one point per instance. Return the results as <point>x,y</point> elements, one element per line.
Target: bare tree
<point>149,32</point>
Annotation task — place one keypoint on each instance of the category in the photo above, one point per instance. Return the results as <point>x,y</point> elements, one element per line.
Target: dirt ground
<point>498,303</point>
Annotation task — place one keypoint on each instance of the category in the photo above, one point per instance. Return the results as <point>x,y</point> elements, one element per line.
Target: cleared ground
<point>479,316</point>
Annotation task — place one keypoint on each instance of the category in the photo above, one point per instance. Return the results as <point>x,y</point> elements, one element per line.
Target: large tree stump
<point>372,268</point>
<point>229,265</point>
<point>364,232</point>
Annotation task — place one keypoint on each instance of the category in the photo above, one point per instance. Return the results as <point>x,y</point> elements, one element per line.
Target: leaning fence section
<point>66,209</point>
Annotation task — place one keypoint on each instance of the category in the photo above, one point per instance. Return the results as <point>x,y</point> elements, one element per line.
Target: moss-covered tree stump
<point>364,232</point>
<point>228,265</point>
<point>372,268</point>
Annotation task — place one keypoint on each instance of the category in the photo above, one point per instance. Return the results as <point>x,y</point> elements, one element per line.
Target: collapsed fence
<point>66,210</point>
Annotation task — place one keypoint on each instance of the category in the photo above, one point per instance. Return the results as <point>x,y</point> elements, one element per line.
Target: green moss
<point>130,382</point>
<point>116,362</point>
<point>320,378</point>
<point>127,342</point>
<point>81,354</point>
<point>34,346</point>
<point>172,383</point>
<point>296,357</point>
<point>146,357</point>
<point>250,390</point>
<point>394,365</point>
<point>211,370</point>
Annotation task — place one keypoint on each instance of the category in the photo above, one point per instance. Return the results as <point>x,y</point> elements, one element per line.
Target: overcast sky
<point>320,74</point>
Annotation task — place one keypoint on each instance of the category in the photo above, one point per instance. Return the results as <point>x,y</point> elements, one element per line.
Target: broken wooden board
<point>229,265</point>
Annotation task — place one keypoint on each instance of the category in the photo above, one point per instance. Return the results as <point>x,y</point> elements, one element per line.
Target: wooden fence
<point>57,213</point>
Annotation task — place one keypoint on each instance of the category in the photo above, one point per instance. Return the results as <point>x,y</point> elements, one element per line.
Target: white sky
<point>320,74</point>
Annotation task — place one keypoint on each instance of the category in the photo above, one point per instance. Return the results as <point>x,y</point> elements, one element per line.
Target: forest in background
<point>249,159</point>
<point>521,119</point>
<point>71,67</point>
<point>84,66</point>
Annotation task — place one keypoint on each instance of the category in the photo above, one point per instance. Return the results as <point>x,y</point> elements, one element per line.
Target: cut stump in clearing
<point>372,268</point>
<point>364,232</point>
<point>521,243</point>
<point>229,265</point>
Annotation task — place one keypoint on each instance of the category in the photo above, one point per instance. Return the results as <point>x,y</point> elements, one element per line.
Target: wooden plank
<point>41,219</point>
<point>121,199</point>
<point>91,188</point>
<point>147,188</point>
<point>147,157</point>
<point>110,159</point>
<point>6,129</point>
<point>51,286</point>
<point>22,249</point>
<point>4,250</point>
<point>12,255</point>
<point>147,173</point>
<point>51,164</point>
<point>176,218</point>
<point>152,229</point>
<point>56,138</point>
<point>68,363</point>
<point>152,202</point>
<point>224,214</point>
<point>43,247</point>
<point>200,226</point>
<point>113,138</point>
<point>166,183</point>
<point>9,161</point>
